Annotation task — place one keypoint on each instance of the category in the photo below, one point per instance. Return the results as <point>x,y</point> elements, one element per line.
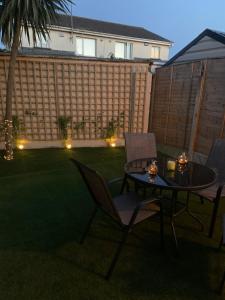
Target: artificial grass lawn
<point>44,207</point>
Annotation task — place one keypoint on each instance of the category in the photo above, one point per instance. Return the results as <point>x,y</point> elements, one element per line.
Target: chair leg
<point>88,225</point>
<point>116,256</point>
<point>222,284</point>
<point>127,186</point>
<point>174,235</point>
<point>221,243</point>
<point>124,183</point>
<point>136,187</point>
<point>202,200</point>
<point>188,197</point>
<point>144,192</point>
<point>213,218</point>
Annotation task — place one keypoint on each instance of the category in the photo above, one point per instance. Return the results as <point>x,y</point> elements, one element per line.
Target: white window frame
<point>42,43</point>
<point>155,54</point>
<point>127,46</point>
<point>82,53</point>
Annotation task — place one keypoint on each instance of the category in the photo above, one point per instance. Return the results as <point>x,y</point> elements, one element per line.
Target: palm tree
<point>33,17</point>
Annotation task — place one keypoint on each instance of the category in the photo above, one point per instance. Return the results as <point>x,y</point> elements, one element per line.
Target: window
<point>85,47</point>
<point>155,52</point>
<point>123,50</point>
<point>42,43</point>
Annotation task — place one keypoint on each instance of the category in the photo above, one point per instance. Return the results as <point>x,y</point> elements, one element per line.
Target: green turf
<point>44,207</point>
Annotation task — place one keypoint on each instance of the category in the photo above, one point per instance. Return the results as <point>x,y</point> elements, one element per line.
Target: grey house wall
<point>65,40</point>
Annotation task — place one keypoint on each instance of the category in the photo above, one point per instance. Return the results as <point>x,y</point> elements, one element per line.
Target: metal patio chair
<point>137,146</point>
<point>140,145</point>
<point>216,160</point>
<point>126,210</point>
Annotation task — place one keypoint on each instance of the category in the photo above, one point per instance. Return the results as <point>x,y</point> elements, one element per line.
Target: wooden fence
<point>188,105</point>
<point>93,93</point>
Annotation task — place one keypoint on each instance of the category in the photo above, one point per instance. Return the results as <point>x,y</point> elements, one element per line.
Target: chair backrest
<point>140,145</point>
<point>216,158</point>
<point>98,189</point>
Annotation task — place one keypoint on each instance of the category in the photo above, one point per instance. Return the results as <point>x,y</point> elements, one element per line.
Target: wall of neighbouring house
<point>188,105</point>
<point>65,41</point>
<point>203,49</point>
<point>92,93</point>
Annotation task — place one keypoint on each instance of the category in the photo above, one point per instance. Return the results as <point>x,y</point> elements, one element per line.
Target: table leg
<point>190,213</point>
<point>173,215</point>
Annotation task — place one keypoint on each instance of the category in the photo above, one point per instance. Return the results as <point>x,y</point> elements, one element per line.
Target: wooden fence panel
<point>211,125</point>
<point>92,93</point>
<point>188,105</point>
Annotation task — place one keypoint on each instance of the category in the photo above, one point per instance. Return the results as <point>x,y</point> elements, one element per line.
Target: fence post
<point>186,141</point>
<point>197,108</point>
<point>152,101</point>
<point>169,103</point>
<point>147,101</point>
<point>132,99</point>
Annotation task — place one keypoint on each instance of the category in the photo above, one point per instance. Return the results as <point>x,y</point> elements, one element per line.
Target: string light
<point>8,140</point>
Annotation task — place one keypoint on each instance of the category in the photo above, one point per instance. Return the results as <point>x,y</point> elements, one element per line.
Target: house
<point>93,38</point>
<point>208,44</point>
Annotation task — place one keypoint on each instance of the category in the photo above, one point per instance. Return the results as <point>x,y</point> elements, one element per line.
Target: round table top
<point>191,176</point>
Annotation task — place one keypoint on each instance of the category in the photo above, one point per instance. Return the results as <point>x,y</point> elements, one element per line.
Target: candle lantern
<point>182,159</point>
<point>152,168</point>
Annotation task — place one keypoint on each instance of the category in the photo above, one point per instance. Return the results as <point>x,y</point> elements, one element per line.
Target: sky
<point>177,20</point>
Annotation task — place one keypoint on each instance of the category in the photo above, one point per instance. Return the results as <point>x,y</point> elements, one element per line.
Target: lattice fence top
<point>91,93</point>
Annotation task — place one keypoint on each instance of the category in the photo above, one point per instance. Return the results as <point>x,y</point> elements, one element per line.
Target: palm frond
<point>34,14</point>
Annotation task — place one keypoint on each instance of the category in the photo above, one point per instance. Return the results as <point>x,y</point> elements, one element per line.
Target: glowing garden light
<point>68,146</point>
<point>21,146</point>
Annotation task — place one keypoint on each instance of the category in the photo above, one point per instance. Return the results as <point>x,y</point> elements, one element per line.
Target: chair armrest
<point>220,189</point>
<point>146,202</point>
<point>115,180</point>
<point>141,205</point>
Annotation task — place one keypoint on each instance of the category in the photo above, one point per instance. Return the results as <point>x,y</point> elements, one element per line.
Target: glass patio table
<point>189,177</point>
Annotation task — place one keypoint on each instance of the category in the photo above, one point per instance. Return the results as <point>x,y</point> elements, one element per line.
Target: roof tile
<point>106,27</point>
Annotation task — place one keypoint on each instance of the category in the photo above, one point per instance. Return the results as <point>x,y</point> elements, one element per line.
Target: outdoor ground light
<point>21,146</point>
<point>113,144</point>
<point>111,141</point>
<point>68,143</point>
<point>68,146</point>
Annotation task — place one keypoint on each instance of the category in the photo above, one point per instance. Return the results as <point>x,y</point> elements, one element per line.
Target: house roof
<point>106,27</point>
<point>214,34</point>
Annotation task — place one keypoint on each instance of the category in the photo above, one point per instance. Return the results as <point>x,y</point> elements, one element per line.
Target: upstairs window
<point>42,43</point>
<point>85,47</point>
<point>155,52</point>
<point>123,50</point>
<point>2,4</point>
